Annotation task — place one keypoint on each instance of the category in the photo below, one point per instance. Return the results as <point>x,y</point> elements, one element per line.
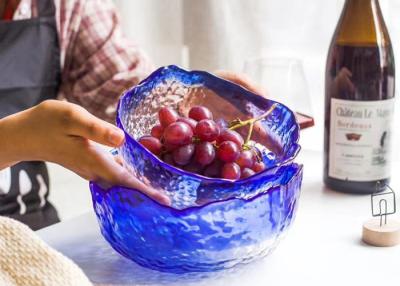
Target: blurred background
<point>211,35</point>
<point>224,34</point>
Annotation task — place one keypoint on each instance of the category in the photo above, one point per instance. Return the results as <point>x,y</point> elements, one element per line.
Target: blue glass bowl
<point>212,223</point>
<point>180,89</point>
<point>212,237</point>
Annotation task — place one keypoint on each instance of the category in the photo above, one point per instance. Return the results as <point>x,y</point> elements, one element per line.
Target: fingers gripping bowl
<point>212,223</point>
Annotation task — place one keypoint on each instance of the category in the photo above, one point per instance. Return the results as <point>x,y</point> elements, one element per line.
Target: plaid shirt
<point>97,61</point>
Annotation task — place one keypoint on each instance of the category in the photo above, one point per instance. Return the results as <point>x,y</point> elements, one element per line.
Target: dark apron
<point>29,74</point>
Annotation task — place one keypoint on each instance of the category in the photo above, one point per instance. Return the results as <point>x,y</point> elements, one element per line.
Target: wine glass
<point>285,82</point>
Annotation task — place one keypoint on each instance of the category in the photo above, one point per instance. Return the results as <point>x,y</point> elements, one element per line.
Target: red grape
<point>206,130</point>
<point>167,158</point>
<point>189,121</point>
<point>170,147</point>
<point>205,153</point>
<point>157,131</point>
<point>230,171</point>
<point>230,135</point>
<point>228,151</point>
<point>214,169</point>
<point>199,113</point>
<point>245,159</point>
<point>215,151</point>
<point>183,154</point>
<point>246,172</point>
<point>167,116</point>
<point>258,167</point>
<point>178,133</point>
<point>151,143</point>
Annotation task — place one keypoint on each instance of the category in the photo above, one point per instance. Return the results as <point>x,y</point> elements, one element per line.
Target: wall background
<point>223,34</point>
<point>237,29</point>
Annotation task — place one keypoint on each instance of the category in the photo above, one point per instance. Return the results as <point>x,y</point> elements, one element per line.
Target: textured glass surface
<point>215,236</point>
<point>180,89</point>
<point>212,224</point>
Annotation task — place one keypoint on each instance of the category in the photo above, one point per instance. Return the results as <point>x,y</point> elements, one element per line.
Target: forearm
<point>9,145</point>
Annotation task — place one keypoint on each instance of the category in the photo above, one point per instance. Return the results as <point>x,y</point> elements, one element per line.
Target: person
<point>70,50</point>
<point>74,51</point>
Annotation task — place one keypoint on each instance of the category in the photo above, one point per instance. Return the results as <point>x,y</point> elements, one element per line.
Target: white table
<point>323,247</point>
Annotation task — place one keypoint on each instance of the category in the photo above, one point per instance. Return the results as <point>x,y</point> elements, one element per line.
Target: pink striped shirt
<point>98,63</point>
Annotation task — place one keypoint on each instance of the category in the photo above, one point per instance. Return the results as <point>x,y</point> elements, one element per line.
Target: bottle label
<point>359,146</point>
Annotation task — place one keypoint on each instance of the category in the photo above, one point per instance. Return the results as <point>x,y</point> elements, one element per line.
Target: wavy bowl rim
<point>180,171</point>
<point>297,174</point>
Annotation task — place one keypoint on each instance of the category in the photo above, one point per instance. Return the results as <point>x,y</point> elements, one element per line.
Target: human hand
<point>66,134</point>
<point>242,80</point>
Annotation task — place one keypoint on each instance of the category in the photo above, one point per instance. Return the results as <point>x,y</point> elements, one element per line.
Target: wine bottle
<point>359,100</point>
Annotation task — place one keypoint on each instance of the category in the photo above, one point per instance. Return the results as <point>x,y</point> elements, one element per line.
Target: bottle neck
<point>361,2</point>
<point>362,24</point>
<point>361,7</point>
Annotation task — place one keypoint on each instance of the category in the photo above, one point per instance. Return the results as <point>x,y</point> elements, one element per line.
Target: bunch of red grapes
<point>199,144</point>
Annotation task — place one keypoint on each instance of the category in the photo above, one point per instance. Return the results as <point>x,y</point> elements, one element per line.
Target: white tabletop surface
<point>323,246</point>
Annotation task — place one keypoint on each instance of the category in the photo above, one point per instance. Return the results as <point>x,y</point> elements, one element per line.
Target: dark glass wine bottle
<point>359,100</point>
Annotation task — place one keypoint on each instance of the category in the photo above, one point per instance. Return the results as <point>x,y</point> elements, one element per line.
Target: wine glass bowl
<point>284,80</point>
<point>212,223</point>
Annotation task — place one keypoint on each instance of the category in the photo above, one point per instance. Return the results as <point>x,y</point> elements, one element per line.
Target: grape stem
<point>251,127</point>
<point>237,123</point>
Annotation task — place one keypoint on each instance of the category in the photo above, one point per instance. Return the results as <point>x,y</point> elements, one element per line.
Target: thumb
<point>88,126</point>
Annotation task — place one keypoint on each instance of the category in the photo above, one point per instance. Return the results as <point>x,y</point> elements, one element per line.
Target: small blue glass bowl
<point>181,89</point>
<point>212,223</point>
<point>215,236</point>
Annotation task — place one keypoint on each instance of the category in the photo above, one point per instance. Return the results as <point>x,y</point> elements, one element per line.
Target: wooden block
<point>386,235</point>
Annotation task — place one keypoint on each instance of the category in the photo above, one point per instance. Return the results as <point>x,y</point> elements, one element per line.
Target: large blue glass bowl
<point>211,237</point>
<point>212,223</point>
<point>171,86</point>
